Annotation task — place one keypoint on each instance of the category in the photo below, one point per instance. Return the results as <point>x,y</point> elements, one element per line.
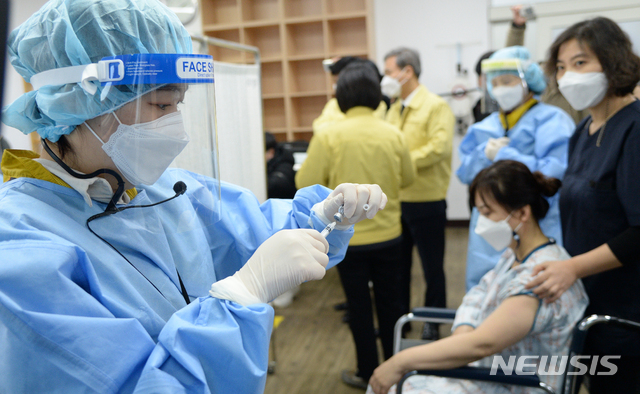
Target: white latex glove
<point>354,197</point>
<point>285,260</point>
<point>494,145</point>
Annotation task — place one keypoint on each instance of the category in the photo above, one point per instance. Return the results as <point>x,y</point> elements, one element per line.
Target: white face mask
<point>583,90</point>
<point>497,234</point>
<point>508,97</point>
<point>391,87</point>
<point>143,151</point>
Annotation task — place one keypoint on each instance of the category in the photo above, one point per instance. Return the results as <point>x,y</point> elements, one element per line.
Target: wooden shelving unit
<point>293,37</point>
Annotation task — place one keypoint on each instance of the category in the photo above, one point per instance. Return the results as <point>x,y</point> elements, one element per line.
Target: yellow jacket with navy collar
<point>362,148</point>
<point>427,124</point>
<point>331,113</point>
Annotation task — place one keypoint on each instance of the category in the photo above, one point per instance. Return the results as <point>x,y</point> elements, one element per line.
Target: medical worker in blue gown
<point>524,129</point>
<point>117,274</point>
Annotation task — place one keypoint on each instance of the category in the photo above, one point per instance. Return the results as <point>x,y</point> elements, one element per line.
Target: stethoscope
<point>179,188</point>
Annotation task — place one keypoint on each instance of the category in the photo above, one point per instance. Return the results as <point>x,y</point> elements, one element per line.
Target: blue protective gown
<point>539,139</point>
<point>76,317</point>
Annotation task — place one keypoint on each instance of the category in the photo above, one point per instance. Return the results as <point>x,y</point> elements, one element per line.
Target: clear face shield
<point>162,114</point>
<point>504,86</point>
<point>170,122</point>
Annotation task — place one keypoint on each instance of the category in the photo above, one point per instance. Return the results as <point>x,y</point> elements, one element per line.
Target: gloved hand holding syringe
<point>338,216</point>
<point>348,204</point>
<point>291,257</point>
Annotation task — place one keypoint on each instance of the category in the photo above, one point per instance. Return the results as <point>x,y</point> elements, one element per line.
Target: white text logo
<point>554,365</point>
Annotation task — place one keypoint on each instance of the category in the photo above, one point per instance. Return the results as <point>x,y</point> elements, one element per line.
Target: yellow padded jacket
<point>362,149</point>
<point>427,124</point>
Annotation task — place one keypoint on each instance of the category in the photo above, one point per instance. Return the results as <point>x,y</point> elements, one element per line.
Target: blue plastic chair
<point>438,315</point>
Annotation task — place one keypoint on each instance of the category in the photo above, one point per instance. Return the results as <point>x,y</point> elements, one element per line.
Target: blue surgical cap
<point>533,75</point>
<point>67,33</point>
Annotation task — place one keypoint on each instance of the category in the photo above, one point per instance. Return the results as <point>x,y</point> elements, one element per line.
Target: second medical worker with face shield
<point>525,130</point>
<point>116,273</point>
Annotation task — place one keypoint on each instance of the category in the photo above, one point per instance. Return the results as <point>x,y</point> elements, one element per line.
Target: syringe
<point>327,230</point>
<point>338,216</point>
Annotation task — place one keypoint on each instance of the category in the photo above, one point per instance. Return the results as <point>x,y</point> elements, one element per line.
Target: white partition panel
<point>554,16</point>
<point>627,18</point>
<point>239,126</point>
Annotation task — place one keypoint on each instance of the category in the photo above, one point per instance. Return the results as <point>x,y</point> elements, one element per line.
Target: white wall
<point>500,3</point>
<point>553,16</point>
<point>433,27</point>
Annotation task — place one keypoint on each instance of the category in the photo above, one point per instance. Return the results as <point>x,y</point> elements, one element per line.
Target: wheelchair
<point>440,315</point>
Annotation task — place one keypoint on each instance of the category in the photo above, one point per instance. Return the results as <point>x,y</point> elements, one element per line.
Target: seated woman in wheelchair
<point>498,316</point>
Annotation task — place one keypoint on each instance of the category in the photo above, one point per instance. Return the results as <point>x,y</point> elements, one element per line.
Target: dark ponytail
<point>548,186</point>
<point>513,186</point>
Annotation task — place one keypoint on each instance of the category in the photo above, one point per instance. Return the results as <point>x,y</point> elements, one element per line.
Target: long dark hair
<point>513,186</point>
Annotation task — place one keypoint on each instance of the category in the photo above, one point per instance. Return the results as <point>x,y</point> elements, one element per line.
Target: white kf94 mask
<point>508,97</point>
<point>497,234</point>
<point>143,151</point>
<point>583,90</point>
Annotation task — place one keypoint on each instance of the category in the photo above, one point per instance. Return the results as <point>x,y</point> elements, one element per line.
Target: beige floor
<point>313,345</point>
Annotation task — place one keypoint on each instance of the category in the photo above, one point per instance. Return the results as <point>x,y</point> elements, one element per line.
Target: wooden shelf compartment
<point>304,19</point>
<point>270,59</point>
<point>348,36</point>
<point>304,110</point>
<point>264,23</point>
<point>260,10</point>
<point>302,8</point>
<point>344,6</point>
<point>350,15</point>
<point>274,115</point>
<point>280,135</point>
<point>361,54</point>
<point>293,36</point>
<point>266,38</point>
<point>304,39</point>
<point>303,135</point>
<point>220,12</point>
<point>309,94</point>
<point>214,28</point>
<point>312,56</point>
<point>306,76</point>
<point>273,95</point>
<point>272,79</point>
<point>224,54</point>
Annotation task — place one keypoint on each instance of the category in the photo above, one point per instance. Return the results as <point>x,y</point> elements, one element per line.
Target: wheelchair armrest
<point>587,322</point>
<point>481,374</point>
<point>423,314</point>
<point>438,313</point>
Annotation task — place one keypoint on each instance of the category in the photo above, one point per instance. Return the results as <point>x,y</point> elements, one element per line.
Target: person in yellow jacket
<point>427,124</point>
<point>331,111</point>
<point>360,149</point>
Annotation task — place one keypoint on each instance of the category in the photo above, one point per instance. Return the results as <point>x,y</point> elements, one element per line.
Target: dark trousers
<point>423,225</point>
<point>381,266</point>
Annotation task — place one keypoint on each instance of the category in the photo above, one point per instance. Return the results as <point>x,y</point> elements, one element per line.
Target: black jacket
<point>280,175</point>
